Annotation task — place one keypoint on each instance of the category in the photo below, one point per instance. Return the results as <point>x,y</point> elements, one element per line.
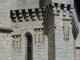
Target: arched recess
<point>27,45</point>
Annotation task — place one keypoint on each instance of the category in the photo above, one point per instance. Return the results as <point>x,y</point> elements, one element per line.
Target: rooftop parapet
<point>29,4</point>
<point>70,2</point>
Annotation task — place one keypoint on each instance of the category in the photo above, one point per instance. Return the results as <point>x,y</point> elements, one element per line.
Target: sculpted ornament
<point>38,34</point>
<point>17,42</point>
<point>14,43</point>
<point>66,30</point>
<point>41,35</point>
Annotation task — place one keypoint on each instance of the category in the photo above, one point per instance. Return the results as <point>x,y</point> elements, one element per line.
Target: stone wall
<point>64,42</point>
<point>5,13</point>
<point>5,46</point>
<point>64,48</point>
<point>78,44</point>
<point>77,54</point>
<point>5,38</point>
<point>57,39</point>
<point>78,37</point>
<point>21,26</point>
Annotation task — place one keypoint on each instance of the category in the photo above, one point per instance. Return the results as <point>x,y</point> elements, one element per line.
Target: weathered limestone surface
<point>5,37</point>
<point>40,49</point>
<point>64,48</point>
<point>78,45</point>
<point>28,4</point>
<point>78,38</point>
<point>5,13</point>
<point>5,46</point>
<point>64,42</point>
<point>77,54</point>
<point>54,39</point>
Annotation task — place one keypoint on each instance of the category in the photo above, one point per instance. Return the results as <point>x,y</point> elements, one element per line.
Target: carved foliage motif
<point>38,34</point>
<point>16,42</point>
<point>66,29</point>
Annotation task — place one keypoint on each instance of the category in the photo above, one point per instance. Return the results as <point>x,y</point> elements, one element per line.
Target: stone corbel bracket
<point>27,15</point>
<point>40,14</point>
<point>45,14</point>
<point>20,15</point>
<point>13,15</point>
<point>33,14</point>
<point>63,10</point>
<point>48,11</point>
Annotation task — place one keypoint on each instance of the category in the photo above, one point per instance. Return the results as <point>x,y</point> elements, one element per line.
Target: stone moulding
<point>6,29</point>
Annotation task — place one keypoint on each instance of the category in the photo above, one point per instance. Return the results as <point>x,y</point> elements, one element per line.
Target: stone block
<point>1,38</point>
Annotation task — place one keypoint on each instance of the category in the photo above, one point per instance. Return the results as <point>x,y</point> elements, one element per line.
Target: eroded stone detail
<point>16,42</point>
<point>38,34</point>
<point>65,29</point>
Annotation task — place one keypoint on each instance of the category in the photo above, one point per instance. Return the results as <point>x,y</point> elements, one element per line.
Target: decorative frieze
<point>27,14</point>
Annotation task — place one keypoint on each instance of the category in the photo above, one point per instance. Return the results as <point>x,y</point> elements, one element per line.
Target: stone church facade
<point>38,30</point>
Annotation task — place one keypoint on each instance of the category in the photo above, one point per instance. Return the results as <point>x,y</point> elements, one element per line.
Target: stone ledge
<point>77,47</point>
<point>6,29</point>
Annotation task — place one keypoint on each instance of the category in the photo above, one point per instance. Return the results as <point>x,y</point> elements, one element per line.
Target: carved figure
<point>36,36</point>
<point>41,36</point>
<point>18,43</point>
<point>14,43</point>
<point>18,38</point>
<point>66,29</point>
